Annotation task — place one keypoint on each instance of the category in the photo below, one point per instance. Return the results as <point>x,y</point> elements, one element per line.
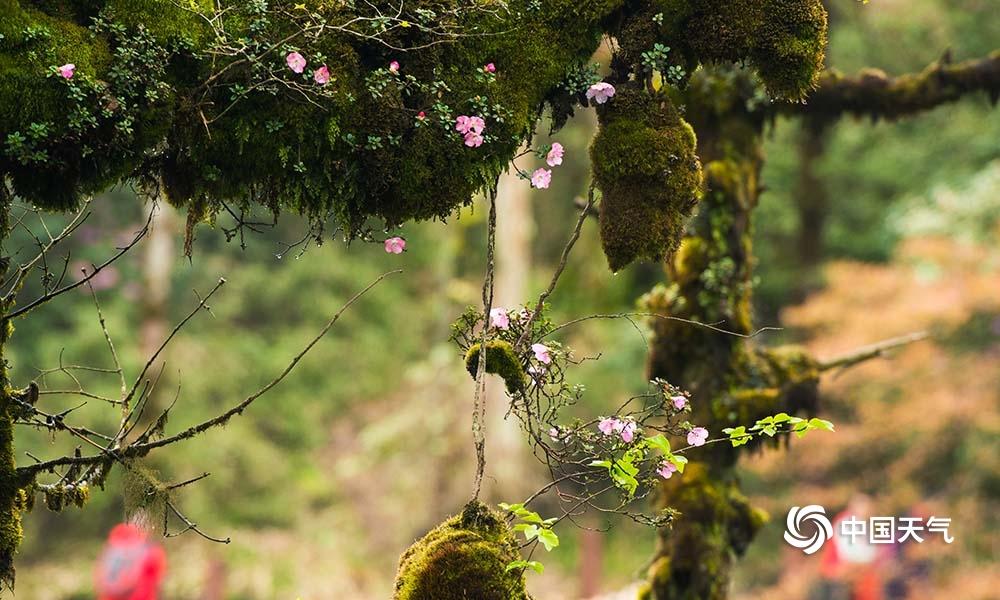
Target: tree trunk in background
<point>158,256</point>
<point>731,381</point>
<point>813,205</point>
<point>591,561</point>
<point>506,453</point>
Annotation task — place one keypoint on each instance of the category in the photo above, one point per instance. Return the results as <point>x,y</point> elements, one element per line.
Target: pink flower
<point>666,470</point>
<point>600,92</point>
<point>490,68</point>
<point>473,140</point>
<point>679,402</point>
<point>555,156</point>
<point>296,62</point>
<point>554,434</point>
<point>421,115</point>
<point>67,70</point>
<point>465,125</point>
<point>395,245</point>
<point>697,436</point>
<point>541,178</point>
<point>394,67</point>
<point>322,75</point>
<point>608,425</point>
<point>499,318</point>
<point>541,353</point>
<point>628,429</point>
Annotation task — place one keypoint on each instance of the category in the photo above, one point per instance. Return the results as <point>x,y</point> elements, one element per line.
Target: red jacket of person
<point>131,566</point>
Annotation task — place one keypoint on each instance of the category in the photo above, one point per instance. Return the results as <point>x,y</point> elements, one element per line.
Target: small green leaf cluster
<point>532,525</point>
<point>773,425</point>
<point>657,59</point>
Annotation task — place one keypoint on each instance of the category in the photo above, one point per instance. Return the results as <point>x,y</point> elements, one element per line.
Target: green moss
<point>12,498</point>
<point>463,558</point>
<point>645,164</point>
<point>790,46</point>
<point>716,524</point>
<point>500,360</point>
<point>784,40</point>
<point>353,156</point>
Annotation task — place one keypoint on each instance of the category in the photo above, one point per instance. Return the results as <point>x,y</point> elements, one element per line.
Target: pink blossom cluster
<point>500,316</point>
<point>395,245</point>
<point>472,128</point>
<point>697,436</point>
<point>542,177</point>
<point>601,92</point>
<point>542,353</point>
<point>626,428</point>
<point>666,470</point>
<point>297,63</point>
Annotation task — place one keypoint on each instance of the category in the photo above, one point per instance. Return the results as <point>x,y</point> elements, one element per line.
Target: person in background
<point>131,567</point>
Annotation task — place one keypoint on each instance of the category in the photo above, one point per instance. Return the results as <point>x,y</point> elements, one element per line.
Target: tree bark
<point>12,496</point>
<point>873,93</point>
<point>731,381</point>
<point>813,205</point>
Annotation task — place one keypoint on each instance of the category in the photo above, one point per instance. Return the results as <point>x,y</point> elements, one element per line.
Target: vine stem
<point>479,399</point>
<point>563,260</point>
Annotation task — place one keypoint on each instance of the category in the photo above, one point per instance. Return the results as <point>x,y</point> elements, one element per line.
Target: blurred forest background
<point>869,231</point>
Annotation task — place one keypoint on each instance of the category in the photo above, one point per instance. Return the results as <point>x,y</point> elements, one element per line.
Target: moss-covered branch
<point>872,93</point>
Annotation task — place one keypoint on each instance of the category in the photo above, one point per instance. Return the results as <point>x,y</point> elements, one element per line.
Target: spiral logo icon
<point>812,517</point>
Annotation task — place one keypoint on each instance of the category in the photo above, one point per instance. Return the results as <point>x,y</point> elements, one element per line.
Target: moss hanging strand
<point>463,558</point>
<point>645,166</point>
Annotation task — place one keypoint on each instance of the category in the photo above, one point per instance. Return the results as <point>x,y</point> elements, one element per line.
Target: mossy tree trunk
<point>11,493</point>
<point>731,381</point>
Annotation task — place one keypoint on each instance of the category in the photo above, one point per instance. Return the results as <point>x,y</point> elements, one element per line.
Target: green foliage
<point>467,556</point>
<point>533,526</point>
<point>771,426</point>
<point>161,96</point>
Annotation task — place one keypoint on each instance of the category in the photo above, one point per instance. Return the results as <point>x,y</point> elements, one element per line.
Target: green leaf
<point>817,423</point>
<point>548,538</point>
<point>659,442</point>
<point>678,461</point>
<point>738,435</point>
<point>534,565</point>
<point>530,531</point>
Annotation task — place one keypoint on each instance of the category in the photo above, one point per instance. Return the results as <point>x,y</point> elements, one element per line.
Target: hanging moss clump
<point>465,557</point>
<point>500,360</point>
<point>783,40</point>
<point>790,46</point>
<point>646,167</point>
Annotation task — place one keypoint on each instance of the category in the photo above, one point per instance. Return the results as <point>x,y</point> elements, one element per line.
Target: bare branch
<point>873,351</point>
